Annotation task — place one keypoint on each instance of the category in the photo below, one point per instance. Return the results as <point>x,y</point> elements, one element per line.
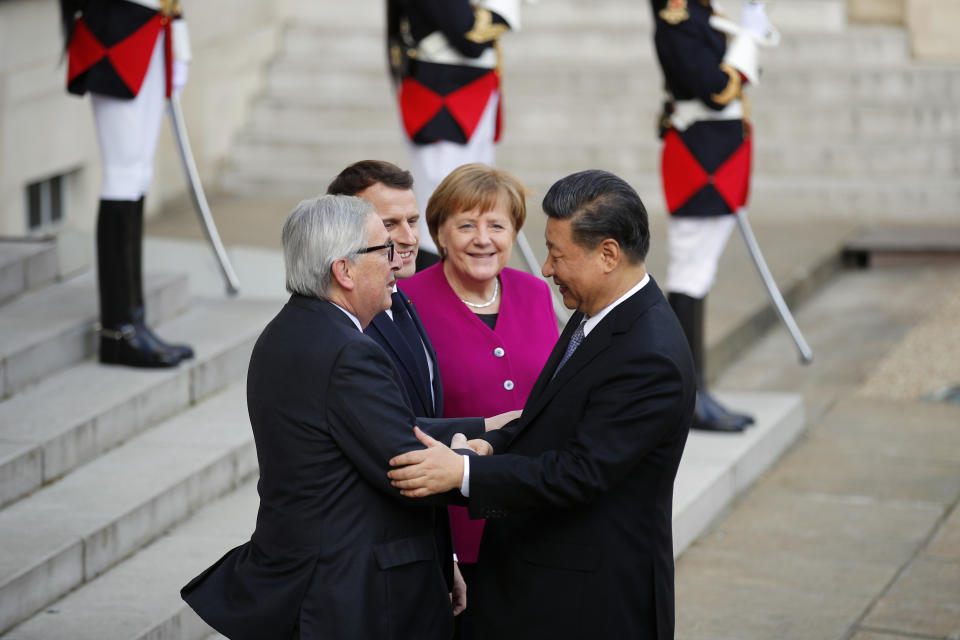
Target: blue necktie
<point>575,341</point>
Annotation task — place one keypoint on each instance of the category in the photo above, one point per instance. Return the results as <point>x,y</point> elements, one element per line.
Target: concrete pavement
<point>855,533</point>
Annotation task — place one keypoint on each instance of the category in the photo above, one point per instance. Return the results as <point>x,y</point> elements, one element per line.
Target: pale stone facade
<point>45,132</point>
<point>932,24</point>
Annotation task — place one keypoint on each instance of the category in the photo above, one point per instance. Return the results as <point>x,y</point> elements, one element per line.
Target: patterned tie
<point>575,341</point>
<point>408,329</point>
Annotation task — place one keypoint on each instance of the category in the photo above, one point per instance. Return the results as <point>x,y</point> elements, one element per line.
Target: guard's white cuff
<point>509,10</point>
<point>742,55</point>
<point>465,483</point>
<point>181,41</point>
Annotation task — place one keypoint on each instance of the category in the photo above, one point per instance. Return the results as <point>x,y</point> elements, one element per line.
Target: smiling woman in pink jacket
<point>492,327</point>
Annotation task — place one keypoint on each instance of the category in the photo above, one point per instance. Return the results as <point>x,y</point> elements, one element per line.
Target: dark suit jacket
<point>337,552</point>
<point>578,541</point>
<point>385,333</point>
<point>422,402</point>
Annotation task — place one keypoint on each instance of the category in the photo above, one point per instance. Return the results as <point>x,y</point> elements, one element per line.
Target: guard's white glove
<point>178,75</point>
<point>754,19</point>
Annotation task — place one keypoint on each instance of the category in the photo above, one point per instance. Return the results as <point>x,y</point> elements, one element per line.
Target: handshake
<point>439,468</point>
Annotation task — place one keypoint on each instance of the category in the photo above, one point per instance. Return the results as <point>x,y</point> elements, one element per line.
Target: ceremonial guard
<point>706,61</point>
<point>130,55</point>
<point>445,60</point>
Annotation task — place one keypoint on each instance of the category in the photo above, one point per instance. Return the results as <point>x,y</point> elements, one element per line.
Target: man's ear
<point>610,254</point>
<point>343,273</point>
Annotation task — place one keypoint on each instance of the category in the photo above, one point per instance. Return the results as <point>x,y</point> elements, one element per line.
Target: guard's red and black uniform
<point>445,59</point>
<point>124,54</point>
<point>444,100</point>
<point>705,168</point>
<point>706,157</point>
<point>112,44</point>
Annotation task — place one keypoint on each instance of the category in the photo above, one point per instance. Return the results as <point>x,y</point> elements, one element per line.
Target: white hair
<point>317,233</point>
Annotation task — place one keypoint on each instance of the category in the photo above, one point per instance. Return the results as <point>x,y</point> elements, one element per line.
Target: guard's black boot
<point>710,415</point>
<point>182,351</point>
<point>122,338</point>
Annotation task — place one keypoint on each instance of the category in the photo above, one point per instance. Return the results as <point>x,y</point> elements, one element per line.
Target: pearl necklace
<point>496,291</point>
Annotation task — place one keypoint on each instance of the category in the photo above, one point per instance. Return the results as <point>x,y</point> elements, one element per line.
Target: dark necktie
<point>408,329</point>
<point>575,341</point>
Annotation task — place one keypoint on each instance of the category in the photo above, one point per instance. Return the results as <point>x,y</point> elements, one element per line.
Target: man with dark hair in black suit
<point>578,496</point>
<point>398,329</point>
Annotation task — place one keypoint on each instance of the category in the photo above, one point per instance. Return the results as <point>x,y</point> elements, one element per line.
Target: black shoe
<point>132,347</point>
<point>714,408</point>
<point>707,418</point>
<point>182,351</point>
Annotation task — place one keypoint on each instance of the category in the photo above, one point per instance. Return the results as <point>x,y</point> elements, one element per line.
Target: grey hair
<point>317,233</point>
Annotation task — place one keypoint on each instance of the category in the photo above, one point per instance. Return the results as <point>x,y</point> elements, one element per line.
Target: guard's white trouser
<point>694,247</point>
<point>128,132</point>
<point>431,163</point>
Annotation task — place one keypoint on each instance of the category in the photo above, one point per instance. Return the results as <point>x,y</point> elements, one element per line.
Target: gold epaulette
<point>733,88</point>
<point>484,30</point>
<point>675,12</point>
<point>170,7</point>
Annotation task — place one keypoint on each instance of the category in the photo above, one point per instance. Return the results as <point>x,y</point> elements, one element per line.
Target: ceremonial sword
<point>198,197</point>
<point>771,39</point>
<point>806,355</point>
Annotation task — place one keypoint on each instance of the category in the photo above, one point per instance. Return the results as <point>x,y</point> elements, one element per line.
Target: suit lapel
<point>619,320</point>
<point>393,341</point>
<point>432,354</point>
<point>593,345</point>
<point>555,356</point>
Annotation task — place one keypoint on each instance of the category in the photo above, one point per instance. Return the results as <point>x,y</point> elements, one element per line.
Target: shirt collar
<point>595,319</point>
<point>352,317</point>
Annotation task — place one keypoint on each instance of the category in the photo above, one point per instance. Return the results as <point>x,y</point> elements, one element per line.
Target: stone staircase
<point>846,123</point>
<point>97,462</point>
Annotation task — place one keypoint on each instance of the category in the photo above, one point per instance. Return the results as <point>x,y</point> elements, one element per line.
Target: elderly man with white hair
<point>337,551</point>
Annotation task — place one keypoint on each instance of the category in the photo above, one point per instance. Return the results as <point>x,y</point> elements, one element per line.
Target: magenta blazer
<point>484,372</point>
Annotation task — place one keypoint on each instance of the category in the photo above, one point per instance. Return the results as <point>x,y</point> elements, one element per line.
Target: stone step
<point>75,415</point>
<point>716,468</point>
<point>781,85</point>
<point>289,142</point>
<point>815,196</point>
<point>71,531</point>
<point>25,265</point>
<point>884,245</point>
<point>51,328</point>
<point>589,44</point>
<point>772,120</point>
<point>788,15</point>
<point>139,598</point>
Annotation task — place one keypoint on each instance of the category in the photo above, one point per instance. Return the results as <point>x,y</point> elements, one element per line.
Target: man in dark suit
<point>398,329</point>
<point>337,552</point>
<point>578,541</point>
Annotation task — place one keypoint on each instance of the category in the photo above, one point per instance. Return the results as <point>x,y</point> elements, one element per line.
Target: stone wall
<point>46,132</point>
<point>932,24</point>
<point>876,11</point>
